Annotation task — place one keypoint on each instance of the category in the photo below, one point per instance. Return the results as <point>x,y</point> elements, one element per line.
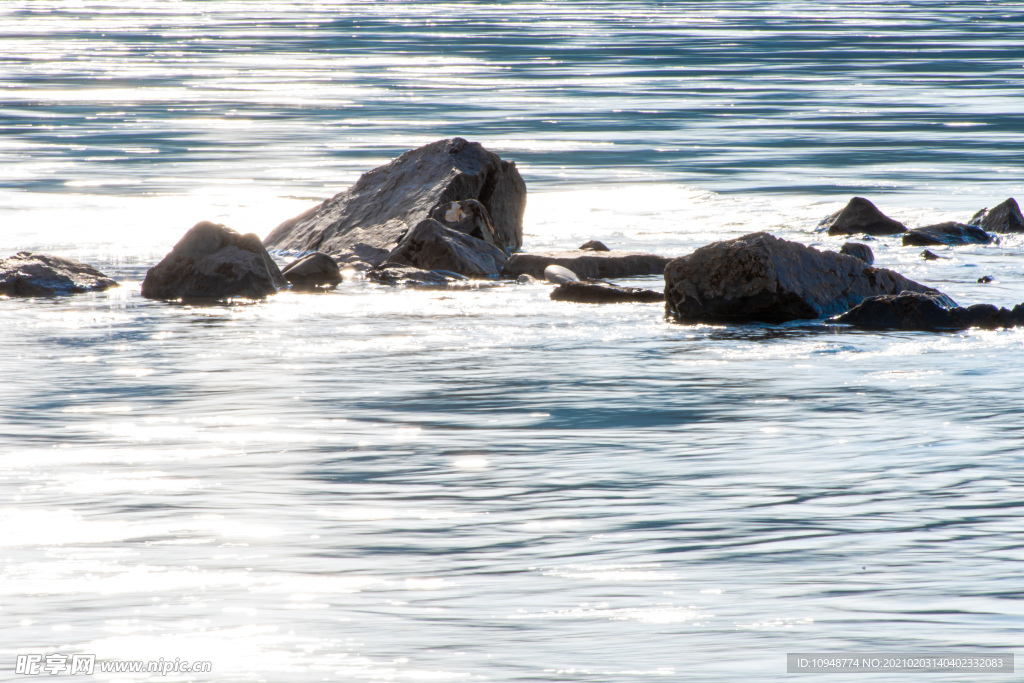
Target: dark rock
<point>312,271</point>
<point>408,276</point>
<point>32,274</point>
<point>214,262</point>
<point>594,245</point>
<point>861,216</point>
<point>856,250</point>
<point>470,218</point>
<point>761,278</point>
<point>603,293</point>
<point>388,201</point>
<point>923,312</point>
<point>949,234</point>
<point>928,255</point>
<point>431,246</point>
<point>985,279</point>
<point>593,265</point>
<point>557,275</point>
<point>1003,218</point>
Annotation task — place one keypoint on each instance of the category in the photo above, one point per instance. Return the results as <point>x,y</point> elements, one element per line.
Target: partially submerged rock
<point>858,250</point>
<point>33,274</point>
<point>432,246</point>
<point>929,255</point>
<point>384,204</point>
<point>950,234</point>
<point>214,262</point>
<point>761,278</point>
<point>1004,218</point>
<point>557,275</point>
<point>928,313</point>
<point>313,271</point>
<point>596,265</point>
<point>861,216</point>
<point>604,293</point>
<point>594,245</point>
<point>407,276</point>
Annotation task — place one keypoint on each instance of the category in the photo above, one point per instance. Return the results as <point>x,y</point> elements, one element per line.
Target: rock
<point>431,246</point>
<point>594,245</point>
<point>557,275</point>
<point>408,276</point>
<point>761,278</point>
<point>597,265</point>
<point>312,271</point>
<point>33,274</point>
<point>470,218</point>
<point>604,293</point>
<point>861,216</point>
<point>525,279</point>
<point>1004,218</point>
<point>985,279</point>
<point>951,234</point>
<point>214,262</point>
<point>388,201</point>
<point>928,255</point>
<point>856,250</point>
<point>923,312</point>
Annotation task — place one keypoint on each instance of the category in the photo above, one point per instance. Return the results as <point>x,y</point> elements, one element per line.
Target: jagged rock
<point>214,262</point>
<point>557,275</point>
<point>922,312</point>
<point>761,278</point>
<point>1005,217</point>
<point>408,276</point>
<point>385,203</point>
<point>470,218</point>
<point>929,255</point>
<point>604,293</point>
<point>950,234</point>
<point>597,265</point>
<point>33,274</point>
<point>857,250</point>
<point>312,271</point>
<point>594,245</point>
<point>861,216</point>
<point>431,246</point>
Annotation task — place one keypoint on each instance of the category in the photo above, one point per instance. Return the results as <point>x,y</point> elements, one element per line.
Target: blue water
<point>487,485</point>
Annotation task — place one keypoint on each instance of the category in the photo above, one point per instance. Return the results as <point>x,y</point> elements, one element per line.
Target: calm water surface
<point>487,485</point>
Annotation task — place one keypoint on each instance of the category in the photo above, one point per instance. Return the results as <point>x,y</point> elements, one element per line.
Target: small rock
<point>594,245</point>
<point>604,293</point>
<point>313,271</point>
<point>914,311</point>
<point>470,218</point>
<point>856,250</point>
<point>34,274</point>
<point>593,265</point>
<point>985,279</point>
<point>525,279</point>
<point>1004,218</point>
<point>214,262</point>
<point>861,216</point>
<point>946,234</point>
<point>928,255</point>
<point>407,276</point>
<point>432,246</point>
<point>558,275</point>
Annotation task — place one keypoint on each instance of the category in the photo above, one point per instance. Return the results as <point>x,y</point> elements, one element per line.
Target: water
<point>488,485</point>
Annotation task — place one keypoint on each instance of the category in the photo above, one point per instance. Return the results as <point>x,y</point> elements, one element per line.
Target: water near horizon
<point>373,485</point>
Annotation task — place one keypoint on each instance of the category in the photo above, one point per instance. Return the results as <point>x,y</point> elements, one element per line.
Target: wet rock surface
<point>914,311</point>
<point>372,216</point>
<point>36,274</point>
<point>950,234</point>
<point>761,278</point>
<point>861,216</point>
<point>604,293</point>
<point>214,262</point>
<point>312,271</point>
<point>1003,218</point>
<point>432,246</point>
<point>590,265</point>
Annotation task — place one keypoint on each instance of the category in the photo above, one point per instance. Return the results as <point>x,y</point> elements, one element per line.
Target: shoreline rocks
<point>761,278</point>
<point>34,274</point>
<point>914,311</point>
<point>368,220</point>
<point>860,216</point>
<point>213,262</point>
<point>593,265</point>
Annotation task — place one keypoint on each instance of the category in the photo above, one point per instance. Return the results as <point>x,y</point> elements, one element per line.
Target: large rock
<point>924,312</point>
<point>594,265</point>
<point>374,214</point>
<point>33,274</point>
<point>312,271</point>
<point>761,278</point>
<point>951,234</point>
<point>604,293</point>
<point>432,246</point>
<point>860,216</point>
<point>1003,218</point>
<point>214,262</point>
